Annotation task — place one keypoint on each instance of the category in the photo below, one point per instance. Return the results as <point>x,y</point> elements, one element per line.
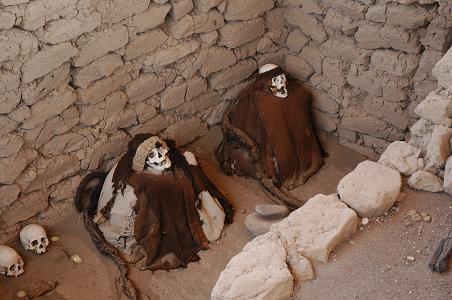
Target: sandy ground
<point>371,265</point>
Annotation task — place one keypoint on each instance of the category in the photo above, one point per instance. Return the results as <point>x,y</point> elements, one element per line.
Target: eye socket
<point>151,155</point>
<point>43,240</point>
<point>34,243</point>
<point>12,267</point>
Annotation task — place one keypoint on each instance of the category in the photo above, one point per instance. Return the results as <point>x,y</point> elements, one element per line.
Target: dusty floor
<point>372,265</point>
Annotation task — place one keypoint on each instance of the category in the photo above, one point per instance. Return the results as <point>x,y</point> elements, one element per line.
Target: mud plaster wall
<point>78,77</point>
<point>368,62</point>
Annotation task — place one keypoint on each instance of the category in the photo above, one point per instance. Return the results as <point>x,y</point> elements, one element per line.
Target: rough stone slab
<point>406,16</point>
<point>442,70</point>
<point>207,22</point>
<point>437,107</point>
<point>8,50</point>
<point>272,211</point>
<point>145,43</point>
<point>438,149</point>
<point>12,167</point>
<point>185,131</point>
<point>308,23</point>
<point>377,13</point>
<point>345,49</point>
<point>393,62</point>
<point>235,34</point>
<point>425,181</point>
<point>296,40</point>
<point>204,6</point>
<point>324,121</point>
<point>258,272</point>
<point>9,193</point>
<point>63,30</point>
<point>350,8</point>
<point>257,225</point>
<point>298,67</point>
<point>164,57</point>
<point>114,11</point>
<point>153,17</point>
<point>233,75</point>
<point>337,21</point>
<point>9,101</point>
<point>245,10</point>
<point>180,8</point>
<point>100,43</point>
<point>65,189</point>
<point>26,207</point>
<point>400,39</point>
<point>421,133</point>
<point>371,189</point>
<point>99,68</point>
<point>317,227</point>
<point>448,176</point>
<point>334,71</point>
<point>369,36</point>
<point>144,87</point>
<point>47,60</point>
<point>173,96</point>
<point>393,113</point>
<point>10,144</point>
<point>38,12</point>
<point>181,28</point>
<point>217,59</point>
<point>402,157</point>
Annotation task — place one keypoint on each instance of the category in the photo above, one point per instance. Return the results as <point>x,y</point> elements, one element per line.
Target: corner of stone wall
<point>79,77</point>
<point>368,63</point>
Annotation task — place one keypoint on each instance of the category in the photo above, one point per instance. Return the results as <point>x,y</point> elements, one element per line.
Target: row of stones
<point>369,63</point>
<point>79,78</point>
<point>272,261</point>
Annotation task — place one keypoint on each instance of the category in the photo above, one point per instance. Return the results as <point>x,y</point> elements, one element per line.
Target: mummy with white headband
<point>278,81</point>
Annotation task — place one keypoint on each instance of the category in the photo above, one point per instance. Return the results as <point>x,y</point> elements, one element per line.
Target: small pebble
<point>55,238</point>
<point>410,258</point>
<point>416,218</point>
<point>76,259</point>
<point>411,212</point>
<point>353,242</point>
<point>364,221</point>
<point>427,219</point>
<point>21,294</point>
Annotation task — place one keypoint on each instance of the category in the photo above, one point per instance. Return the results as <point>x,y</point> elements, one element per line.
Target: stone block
<point>173,96</point>
<point>98,69</point>
<point>37,13</point>
<point>145,43</point>
<point>180,8</point>
<point>64,144</point>
<point>406,16</point>
<point>313,57</point>
<point>9,193</point>
<point>144,87</point>
<point>235,34</point>
<point>97,91</point>
<point>12,167</point>
<point>208,22</point>
<point>296,40</point>
<point>54,104</point>
<point>114,11</point>
<point>345,49</point>
<point>324,121</point>
<point>167,56</point>
<point>298,67</point>
<point>421,132</point>
<point>391,112</point>
<point>181,28</point>
<point>370,189</point>
<point>437,38</point>
<point>258,272</point>
<point>65,189</point>
<point>64,30</point>
<point>337,21</point>
<point>9,101</point>
<point>377,13</point>
<point>185,131</point>
<point>442,72</point>
<point>317,227</point>
<point>369,36</point>
<point>195,87</point>
<point>26,207</point>
<point>245,10</point>
<point>10,144</point>
<point>425,181</point>
<point>232,75</point>
<point>437,107</point>
<point>217,59</point>
<point>100,43</point>
<point>309,24</point>
<point>8,82</point>
<point>199,105</point>
<point>396,63</point>
<point>428,60</point>
<point>322,102</point>
<point>204,6</point>
<point>400,39</point>
<point>401,157</point>
<point>334,71</point>
<point>8,50</point>
<point>350,8</point>
<point>438,149</point>
<point>7,20</point>
<point>47,60</point>
<point>153,17</point>
<point>209,38</point>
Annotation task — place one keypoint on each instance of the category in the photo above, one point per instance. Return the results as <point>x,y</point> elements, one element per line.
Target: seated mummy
<point>158,198</point>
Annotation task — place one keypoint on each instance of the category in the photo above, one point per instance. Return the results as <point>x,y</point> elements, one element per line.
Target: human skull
<point>152,154</point>
<point>278,84</point>
<point>33,237</point>
<point>11,264</point>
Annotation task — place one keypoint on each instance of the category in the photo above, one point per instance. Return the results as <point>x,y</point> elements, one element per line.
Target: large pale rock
<point>402,157</point>
<point>257,225</point>
<point>235,34</point>
<point>350,8</point>
<point>245,10</point>
<point>437,107</point>
<point>425,181</point>
<point>448,176</point>
<point>371,189</point>
<point>8,49</point>
<point>442,70</point>
<point>438,149</point>
<point>100,43</point>
<point>317,227</point>
<point>272,211</point>
<point>258,272</point>
<point>421,133</point>
<point>47,60</point>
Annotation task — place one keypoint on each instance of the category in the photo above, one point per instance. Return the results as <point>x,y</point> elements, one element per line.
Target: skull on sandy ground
<point>33,237</point>
<point>11,264</point>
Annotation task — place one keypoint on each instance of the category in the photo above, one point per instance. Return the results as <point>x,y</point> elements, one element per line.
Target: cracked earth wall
<point>368,62</point>
<point>79,77</point>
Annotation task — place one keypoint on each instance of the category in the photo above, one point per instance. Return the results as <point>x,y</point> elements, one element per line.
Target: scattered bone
<point>364,221</point>
<point>43,288</point>
<point>21,294</point>
<point>410,258</point>
<point>76,259</point>
<point>55,238</point>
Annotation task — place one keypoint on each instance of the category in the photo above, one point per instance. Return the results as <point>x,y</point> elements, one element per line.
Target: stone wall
<point>368,63</point>
<point>79,77</point>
